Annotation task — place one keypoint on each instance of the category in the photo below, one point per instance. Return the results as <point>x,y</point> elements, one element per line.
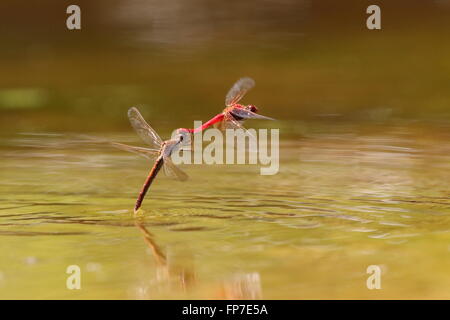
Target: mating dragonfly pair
<point>230,118</point>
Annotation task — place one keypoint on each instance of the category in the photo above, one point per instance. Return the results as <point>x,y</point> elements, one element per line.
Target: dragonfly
<point>159,149</point>
<point>234,114</point>
<point>167,270</point>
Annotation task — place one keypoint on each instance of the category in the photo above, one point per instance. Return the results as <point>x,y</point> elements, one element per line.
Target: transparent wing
<point>145,152</point>
<point>171,170</point>
<point>229,122</point>
<point>150,241</point>
<point>238,90</point>
<point>143,129</point>
<point>247,114</point>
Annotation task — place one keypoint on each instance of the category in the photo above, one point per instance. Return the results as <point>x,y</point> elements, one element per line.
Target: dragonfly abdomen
<point>151,176</point>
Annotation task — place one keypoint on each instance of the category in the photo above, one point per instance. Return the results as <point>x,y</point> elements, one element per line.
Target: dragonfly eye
<point>253,108</point>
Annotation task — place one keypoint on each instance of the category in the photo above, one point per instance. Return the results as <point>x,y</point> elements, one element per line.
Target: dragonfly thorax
<point>249,107</point>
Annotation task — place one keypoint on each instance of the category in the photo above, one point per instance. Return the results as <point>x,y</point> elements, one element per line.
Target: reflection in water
<point>246,286</point>
<point>240,286</point>
<point>180,278</point>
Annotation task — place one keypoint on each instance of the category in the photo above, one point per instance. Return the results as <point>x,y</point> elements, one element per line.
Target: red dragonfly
<point>234,113</point>
<point>231,117</point>
<point>160,149</point>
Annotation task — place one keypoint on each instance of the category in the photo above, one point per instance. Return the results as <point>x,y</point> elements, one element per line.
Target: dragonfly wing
<point>238,90</point>
<point>143,129</point>
<point>247,114</point>
<point>231,123</point>
<point>145,152</point>
<point>171,170</point>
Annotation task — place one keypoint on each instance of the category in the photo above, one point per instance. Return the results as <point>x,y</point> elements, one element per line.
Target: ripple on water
<point>334,195</point>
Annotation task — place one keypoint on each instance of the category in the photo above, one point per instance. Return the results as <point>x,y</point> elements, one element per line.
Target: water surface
<point>347,196</point>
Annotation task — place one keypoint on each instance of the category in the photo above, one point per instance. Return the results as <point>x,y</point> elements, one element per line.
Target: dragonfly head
<point>252,108</point>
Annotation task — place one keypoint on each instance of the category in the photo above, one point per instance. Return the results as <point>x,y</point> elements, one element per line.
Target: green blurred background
<point>177,59</point>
